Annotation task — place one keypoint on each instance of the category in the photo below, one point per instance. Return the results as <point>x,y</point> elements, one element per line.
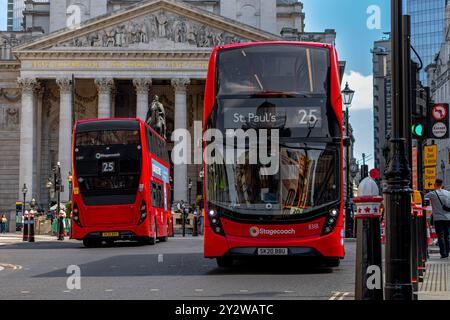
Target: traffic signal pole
<point>398,173</point>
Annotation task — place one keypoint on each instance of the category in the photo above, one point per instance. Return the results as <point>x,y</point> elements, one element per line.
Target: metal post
<point>348,217</point>
<point>414,254</point>
<point>397,192</point>
<point>183,213</point>
<point>25,220</point>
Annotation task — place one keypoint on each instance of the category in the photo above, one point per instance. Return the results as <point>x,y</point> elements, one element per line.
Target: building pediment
<point>159,25</point>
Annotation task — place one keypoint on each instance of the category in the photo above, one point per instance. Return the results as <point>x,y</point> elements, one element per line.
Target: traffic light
<point>419,128</point>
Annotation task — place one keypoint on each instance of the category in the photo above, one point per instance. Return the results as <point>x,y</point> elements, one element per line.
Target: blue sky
<point>354,41</point>
<point>3,7</point>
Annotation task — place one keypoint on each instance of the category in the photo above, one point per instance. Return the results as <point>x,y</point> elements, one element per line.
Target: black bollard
<point>414,251</point>
<point>421,235</point>
<point>195,229</point>
<point>369,276</point>
<point>61,231</point>
<point>31,227</point>
<point>25,226</point>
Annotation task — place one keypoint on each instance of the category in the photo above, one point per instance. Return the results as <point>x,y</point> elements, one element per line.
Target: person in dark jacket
<point>440,200</point>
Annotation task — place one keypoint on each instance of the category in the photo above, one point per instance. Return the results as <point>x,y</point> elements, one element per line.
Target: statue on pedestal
<point>156,117</point>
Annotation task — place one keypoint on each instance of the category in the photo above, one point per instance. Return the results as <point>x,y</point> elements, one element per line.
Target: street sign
<point>375,174</point>
<point>430,156</point>
<point>438,121</point>
<point>439,130</point>
<point>415,176</point>
<point>439,112</point>
<point>430,178</point>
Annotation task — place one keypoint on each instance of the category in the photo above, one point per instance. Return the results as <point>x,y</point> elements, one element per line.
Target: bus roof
<point>297,43</point>
<point>104,124</point>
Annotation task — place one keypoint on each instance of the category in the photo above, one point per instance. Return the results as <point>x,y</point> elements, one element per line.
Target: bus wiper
<point>275,94</point>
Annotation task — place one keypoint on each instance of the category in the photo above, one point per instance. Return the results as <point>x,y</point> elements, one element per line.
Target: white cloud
<point>363,86</point>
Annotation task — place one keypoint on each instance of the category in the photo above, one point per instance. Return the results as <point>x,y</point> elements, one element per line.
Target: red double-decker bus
<point>283,100</point>
<point>121,184</point>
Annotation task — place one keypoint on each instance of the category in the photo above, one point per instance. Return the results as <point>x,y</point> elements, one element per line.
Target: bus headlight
<point>215,223</point>
<point>330,222</point>
<point>76,215</point>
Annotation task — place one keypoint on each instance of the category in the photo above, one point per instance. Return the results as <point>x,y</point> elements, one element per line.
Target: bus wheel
<point>155,235</point>
<point>90,243</point>
<point>166,237</point>
<point>333,262</point>
<point>224,262</point>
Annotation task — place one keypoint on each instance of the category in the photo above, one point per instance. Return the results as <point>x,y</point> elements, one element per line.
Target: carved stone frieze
<point>160,27</point>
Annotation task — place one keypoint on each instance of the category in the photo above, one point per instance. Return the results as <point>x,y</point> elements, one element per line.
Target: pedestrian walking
<point>440,202</point>
<point>61,225</point>
<point>3,224</point>
<point>201,221</point>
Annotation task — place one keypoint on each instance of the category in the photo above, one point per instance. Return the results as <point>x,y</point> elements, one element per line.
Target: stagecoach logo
<point>255,231</point>
<point>107,156</point>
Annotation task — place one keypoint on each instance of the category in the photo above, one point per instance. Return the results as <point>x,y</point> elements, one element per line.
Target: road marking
<point>10,266</point>
<point>113,267</point>
<point>340,295</point>
<point>25,292</point>
<point>199,290</point>
<point>335,296</point>
<point>154,290</point>
<point>109,290</point>
<point>287,291</point>
<point>66,291</point>
<point>160,258</point>
<point>345,294</point>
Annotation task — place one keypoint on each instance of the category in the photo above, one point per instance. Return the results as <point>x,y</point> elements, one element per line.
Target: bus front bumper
<point>330,246</point>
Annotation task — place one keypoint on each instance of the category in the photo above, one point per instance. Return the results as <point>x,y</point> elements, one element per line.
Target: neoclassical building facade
<point>121,55</point>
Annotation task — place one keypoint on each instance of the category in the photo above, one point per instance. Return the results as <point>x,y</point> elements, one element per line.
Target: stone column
<point>180,171</point>
<point>65,133</point>
<point>104,87</point>
<point>27,123</point>
<point>142,87</point>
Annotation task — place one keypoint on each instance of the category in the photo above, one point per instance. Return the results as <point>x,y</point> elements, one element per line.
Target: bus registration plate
<point>272,251</point>
<point>110,234</point>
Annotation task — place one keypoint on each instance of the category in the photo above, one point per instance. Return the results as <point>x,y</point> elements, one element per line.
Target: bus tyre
<point>166,237</point>
<point>332,262</point>
<point>224,262</point>
<point>90,243</point>
<point>154,238</point>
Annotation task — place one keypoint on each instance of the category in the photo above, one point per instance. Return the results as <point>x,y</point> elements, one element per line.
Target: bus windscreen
<point>275,68</point>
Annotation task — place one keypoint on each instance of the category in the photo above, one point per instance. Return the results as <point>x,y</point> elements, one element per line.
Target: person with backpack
<point>440,202</point>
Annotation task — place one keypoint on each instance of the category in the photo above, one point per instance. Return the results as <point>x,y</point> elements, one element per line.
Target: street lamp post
<point>25,219</point>
<point>57,186</point>
<point>347,96</point>
<point>397,193</point>
<point>69,181</point>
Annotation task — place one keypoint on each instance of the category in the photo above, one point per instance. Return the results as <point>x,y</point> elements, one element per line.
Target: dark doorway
<point>125,99</point>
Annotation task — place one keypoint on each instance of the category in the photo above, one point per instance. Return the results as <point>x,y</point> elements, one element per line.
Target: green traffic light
<point>417,130</point>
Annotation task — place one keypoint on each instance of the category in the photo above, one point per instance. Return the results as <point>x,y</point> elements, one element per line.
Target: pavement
<point>173,270</point>
<point>436,285</point>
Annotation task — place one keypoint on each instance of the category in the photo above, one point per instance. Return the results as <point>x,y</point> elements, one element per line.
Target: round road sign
<point>439,112</point>
<point>439,130</point>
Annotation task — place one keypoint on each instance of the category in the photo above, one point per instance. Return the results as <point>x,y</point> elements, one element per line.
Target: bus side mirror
<point>347,142</point>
